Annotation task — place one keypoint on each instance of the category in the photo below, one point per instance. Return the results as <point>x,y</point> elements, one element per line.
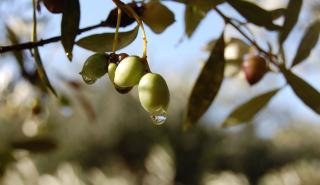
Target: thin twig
<point>30,45</point>
<point>116,34</point>
<point>254,43</point>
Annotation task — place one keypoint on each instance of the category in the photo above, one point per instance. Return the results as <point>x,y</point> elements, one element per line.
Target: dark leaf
<point>70,25</point>
<point>54,6</point>
<point>192,18</point>
<point>245,112</point>
<point>254,14</point>
<point>125,18</point>
<point>35,145</point>
<point>291,17</point>
<point>157,16</point>
<point>207,85</point>
<point>203,5</point>
<point>307,43</point>
<point>308,94</point>
<point>14,39</point>
<point>40,69</point>
<point>277,13</point>
<point>104,42</point>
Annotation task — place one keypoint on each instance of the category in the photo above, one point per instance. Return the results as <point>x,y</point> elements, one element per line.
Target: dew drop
<point>88,80</point>
<point>159,117</point>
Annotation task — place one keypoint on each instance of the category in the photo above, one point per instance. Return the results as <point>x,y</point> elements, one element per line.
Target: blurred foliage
<point>129,149</point>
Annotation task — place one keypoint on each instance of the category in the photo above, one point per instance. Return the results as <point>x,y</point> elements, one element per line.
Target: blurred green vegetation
<point>60,144</point>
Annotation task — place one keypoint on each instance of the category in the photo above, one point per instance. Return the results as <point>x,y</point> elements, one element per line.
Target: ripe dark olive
<point>54,6</point>
<point>122,56</point>
<point>153,93</point>
<point>129,72</point>
<point>113,58</point>
<point>254,67</point>
<point>94,67</point>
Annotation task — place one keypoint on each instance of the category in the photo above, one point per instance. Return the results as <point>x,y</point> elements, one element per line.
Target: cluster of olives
<point>125,72</point>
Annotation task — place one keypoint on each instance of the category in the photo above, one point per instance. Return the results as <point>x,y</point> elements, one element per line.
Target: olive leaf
<point>14,39</point>
<point>277,13</point>
<point>70,25</point>
<point>126,19</point>
<point>308,94</point>
<point>35,145</point>
<point>192,18</point>
<point>254,14</point>
<point>104,42</point>
<point>234,52</point>
<point>307,43</point>
<point>203,5</point>
<point>40,69</point>
<point>249,109</point>
<point>157,16</point>
<point>207,85</point>
<point>291,17</point>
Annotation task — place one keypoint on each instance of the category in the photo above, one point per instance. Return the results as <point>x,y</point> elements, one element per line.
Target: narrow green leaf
<point>157,16</point>
<point>249,109</point>
<point>307,43</point>
<point>291,17</point>
<point>40,69</point>
<point>254,14</point>
<point>207,85</point>
<point>70,25</point>
<point>14,39</point>
<point>192,18</point>
<point>104,42</point>
<point>203,5</point>
<point>277,13</point>
<point>308,94</point>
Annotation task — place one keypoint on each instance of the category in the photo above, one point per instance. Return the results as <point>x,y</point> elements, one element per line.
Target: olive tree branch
<point>30,45</point>
<point>229,21</point>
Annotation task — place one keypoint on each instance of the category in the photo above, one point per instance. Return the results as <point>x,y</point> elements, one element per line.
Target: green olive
<point>129,72</point>
<point>111,71</point>
<point>94,67</point>
<point>153,93</point>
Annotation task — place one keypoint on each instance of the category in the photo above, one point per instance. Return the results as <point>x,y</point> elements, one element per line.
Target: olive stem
<point>116,34</point>
<point>129,10</point>
<point>228,20</point>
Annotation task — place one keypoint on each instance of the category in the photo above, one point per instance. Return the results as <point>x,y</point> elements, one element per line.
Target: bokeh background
<point>95,136</point>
